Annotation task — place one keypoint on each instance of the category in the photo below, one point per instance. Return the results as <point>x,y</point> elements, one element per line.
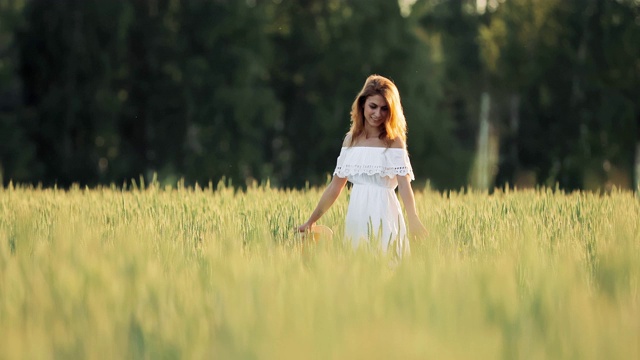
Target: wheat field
<point>215,273</point>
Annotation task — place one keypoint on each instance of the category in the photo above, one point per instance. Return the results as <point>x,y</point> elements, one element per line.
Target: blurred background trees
<point>495,91</point>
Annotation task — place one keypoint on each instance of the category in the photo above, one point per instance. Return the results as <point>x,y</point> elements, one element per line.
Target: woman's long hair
<point>395,126</point>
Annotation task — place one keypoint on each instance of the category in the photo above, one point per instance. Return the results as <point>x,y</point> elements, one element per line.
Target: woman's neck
<point>370,132</point>
<point>369,135</point>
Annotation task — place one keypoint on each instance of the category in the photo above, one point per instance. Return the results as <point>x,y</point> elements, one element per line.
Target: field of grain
<point>214,273</point>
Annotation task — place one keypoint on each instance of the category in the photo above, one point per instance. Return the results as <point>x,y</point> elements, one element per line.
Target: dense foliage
<point>99,92</point>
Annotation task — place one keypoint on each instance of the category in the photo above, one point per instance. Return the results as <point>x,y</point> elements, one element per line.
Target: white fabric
<point>374,214</point>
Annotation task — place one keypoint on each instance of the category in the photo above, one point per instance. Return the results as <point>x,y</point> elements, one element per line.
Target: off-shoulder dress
<point>374,214</point>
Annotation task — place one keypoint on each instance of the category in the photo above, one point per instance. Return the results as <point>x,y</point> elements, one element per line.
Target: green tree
<point>17,152</point>
<point>97,92</point>
<point>452,27</point>
<point>68,62</point>
<point>574,65</point>
<point>562,78</point>
<point>176,88</point>
<point>232,116</point>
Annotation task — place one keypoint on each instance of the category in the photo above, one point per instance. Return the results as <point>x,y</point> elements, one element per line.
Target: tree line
<point>514,91</point>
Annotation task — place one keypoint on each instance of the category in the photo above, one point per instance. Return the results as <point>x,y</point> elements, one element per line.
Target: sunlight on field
<point>215,273</point>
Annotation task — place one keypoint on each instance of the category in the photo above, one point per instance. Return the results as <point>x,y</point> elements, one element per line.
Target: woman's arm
<point>416,228</point>
<point>329,196</point>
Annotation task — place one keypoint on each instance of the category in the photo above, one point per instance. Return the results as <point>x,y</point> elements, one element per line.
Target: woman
<point>374,159</point>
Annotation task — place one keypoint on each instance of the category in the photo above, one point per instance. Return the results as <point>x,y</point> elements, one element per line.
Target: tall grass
<point>217,273</point>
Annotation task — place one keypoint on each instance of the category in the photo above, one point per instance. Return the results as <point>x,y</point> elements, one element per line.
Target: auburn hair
<point>395,126</point>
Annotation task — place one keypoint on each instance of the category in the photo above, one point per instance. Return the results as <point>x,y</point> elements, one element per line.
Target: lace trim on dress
<point>357,169</point>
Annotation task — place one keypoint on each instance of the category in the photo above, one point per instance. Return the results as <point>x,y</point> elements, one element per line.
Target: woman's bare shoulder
<point>398,143</point>
<point>347,140</point>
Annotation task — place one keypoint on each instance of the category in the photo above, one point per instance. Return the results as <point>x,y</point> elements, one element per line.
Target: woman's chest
<point>371,142</point>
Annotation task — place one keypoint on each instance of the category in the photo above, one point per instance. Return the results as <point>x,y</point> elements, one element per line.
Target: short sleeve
<point>339,164</point>
<point>399,163</point>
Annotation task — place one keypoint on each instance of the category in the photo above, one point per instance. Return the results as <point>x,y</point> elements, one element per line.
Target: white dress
<point>374,214</point>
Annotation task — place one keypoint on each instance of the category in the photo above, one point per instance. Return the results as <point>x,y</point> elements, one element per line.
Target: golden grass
<point>213,273</point>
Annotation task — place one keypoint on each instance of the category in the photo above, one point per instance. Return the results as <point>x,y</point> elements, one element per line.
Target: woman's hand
<point>306,227</point>
<point>416,229</point>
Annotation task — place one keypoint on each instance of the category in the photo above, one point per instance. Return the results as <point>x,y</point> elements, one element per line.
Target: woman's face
<point>376,110</point>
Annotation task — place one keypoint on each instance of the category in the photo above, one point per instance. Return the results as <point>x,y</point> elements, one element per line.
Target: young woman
<point>374,159</point>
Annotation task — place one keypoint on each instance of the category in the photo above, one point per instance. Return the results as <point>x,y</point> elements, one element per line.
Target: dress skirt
<point>374,216</point>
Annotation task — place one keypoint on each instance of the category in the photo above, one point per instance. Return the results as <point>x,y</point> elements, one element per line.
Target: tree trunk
<point>514,125</point>
<point>482,173</point>
<point>637,169</point>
